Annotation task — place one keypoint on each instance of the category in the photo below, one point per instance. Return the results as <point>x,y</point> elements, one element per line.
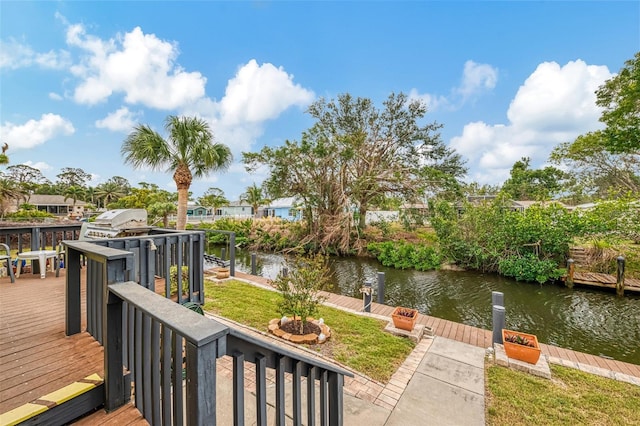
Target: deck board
<point>36,357</point>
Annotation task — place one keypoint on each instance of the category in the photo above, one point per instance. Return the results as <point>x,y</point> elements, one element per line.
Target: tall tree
<point>528,184</point>
<point>254,195</point>
<point>213,198</point>
<point>620,99</point>
<point>598,172</point>
<point>354,156</point>
<point>189,152</point>
<point>27,177</point>
<point>70,176</point>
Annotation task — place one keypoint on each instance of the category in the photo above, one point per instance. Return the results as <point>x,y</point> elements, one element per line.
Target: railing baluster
<point>138,360</point>
<point>280,401</point>
<point>311,396</point>
<point>131,325</point>
<point>336,383</point>
<point>297,392</point>
<point>238,388</point>
<point>261,390</point>
<point>155,372</point>
<point>324,406</point>
<point>146,368</point>
<point>166,375</point>
<point>178,394</point>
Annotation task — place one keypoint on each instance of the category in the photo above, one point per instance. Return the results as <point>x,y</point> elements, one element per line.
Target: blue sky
<point>505,79</point>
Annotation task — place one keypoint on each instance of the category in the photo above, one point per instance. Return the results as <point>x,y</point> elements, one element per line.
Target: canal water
<point>595,322</point>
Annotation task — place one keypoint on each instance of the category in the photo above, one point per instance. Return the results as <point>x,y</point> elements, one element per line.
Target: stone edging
<point>598,371</point>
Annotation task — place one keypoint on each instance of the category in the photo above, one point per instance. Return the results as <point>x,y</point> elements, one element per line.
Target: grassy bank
<point>571,397</point>
<point>357,341</point>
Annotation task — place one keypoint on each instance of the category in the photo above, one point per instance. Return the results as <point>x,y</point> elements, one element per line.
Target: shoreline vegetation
<point>531,245</point>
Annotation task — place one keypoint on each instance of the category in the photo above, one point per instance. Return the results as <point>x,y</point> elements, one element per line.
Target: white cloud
<point>476,80</point>
<point>121,120</point>
<point>54,96</point>
<point>256,94</point>
<point>554,105</point>
<point>141,66</point>
<point>14,55</point>
<point>40,165</point>
<point>35,132</point>
<point>261,92</point>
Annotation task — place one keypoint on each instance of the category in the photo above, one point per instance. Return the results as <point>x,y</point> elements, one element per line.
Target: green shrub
<point>403,255</point>
<point>529,268</point>
<point>173,279</point>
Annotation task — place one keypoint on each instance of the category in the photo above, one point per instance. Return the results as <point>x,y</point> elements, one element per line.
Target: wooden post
<point>571,269</point>
<point>114,389</point>
<point>620,280</point>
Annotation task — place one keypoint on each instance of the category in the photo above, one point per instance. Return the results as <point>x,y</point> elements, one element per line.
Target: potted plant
<point>404,318</point>
<point>521,346</point>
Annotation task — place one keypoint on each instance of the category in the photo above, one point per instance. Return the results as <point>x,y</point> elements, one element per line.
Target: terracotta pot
<point>521,352</point>
<point>404,322</point>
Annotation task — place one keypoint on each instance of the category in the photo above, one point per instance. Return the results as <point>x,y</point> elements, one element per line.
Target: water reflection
<point>589,321</point>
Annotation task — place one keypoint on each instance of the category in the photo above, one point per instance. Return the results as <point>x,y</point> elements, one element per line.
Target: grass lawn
<point>357,341</point>
<point>571,397</point>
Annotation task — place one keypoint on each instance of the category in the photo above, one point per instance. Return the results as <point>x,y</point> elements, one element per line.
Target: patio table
<point>41,256</point>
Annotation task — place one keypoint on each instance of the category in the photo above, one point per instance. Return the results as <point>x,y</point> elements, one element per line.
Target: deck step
<point>60,406</point>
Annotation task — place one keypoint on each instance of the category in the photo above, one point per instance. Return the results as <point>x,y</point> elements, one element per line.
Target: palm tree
<point>9,190</point>
<point>4,158</point>
<point>189,152</point>
<point>74,192</point>
<point>162,210</point>
<point>254,197</point>
<point>109,192</point>
<point>213,198</point>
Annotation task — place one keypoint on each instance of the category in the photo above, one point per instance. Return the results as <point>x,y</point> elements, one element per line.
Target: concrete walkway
<point>447,388</point>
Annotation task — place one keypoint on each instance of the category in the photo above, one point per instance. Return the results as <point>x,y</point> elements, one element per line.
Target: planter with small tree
<point>300,292</point>
<point>521,346</point>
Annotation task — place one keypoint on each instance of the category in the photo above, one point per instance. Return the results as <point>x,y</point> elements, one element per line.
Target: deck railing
<point>159,251</point>
<point>40,237</point>
<point>170,354</point>
<point>146,256</point>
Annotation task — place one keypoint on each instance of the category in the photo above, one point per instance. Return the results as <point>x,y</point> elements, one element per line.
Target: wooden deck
<point>36,357</point>
<point>594,279</point>
<point>473,335</point>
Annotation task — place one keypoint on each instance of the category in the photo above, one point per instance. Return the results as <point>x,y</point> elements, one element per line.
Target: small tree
<point>300,289</point>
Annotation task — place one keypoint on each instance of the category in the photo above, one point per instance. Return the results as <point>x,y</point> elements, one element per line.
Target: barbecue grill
<point>117,223</point>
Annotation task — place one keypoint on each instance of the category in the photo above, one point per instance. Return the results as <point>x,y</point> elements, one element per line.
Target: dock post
<point>571,269</point>
<point>620,280</point>
<point>367,296</point>
<point>381,288</point>
<point>499,314</point>
<point>497,298</point>
<point>253,264</point>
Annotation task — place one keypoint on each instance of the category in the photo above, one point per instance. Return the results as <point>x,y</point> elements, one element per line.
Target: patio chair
<point>7,257</point>
<point>60,259</point>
